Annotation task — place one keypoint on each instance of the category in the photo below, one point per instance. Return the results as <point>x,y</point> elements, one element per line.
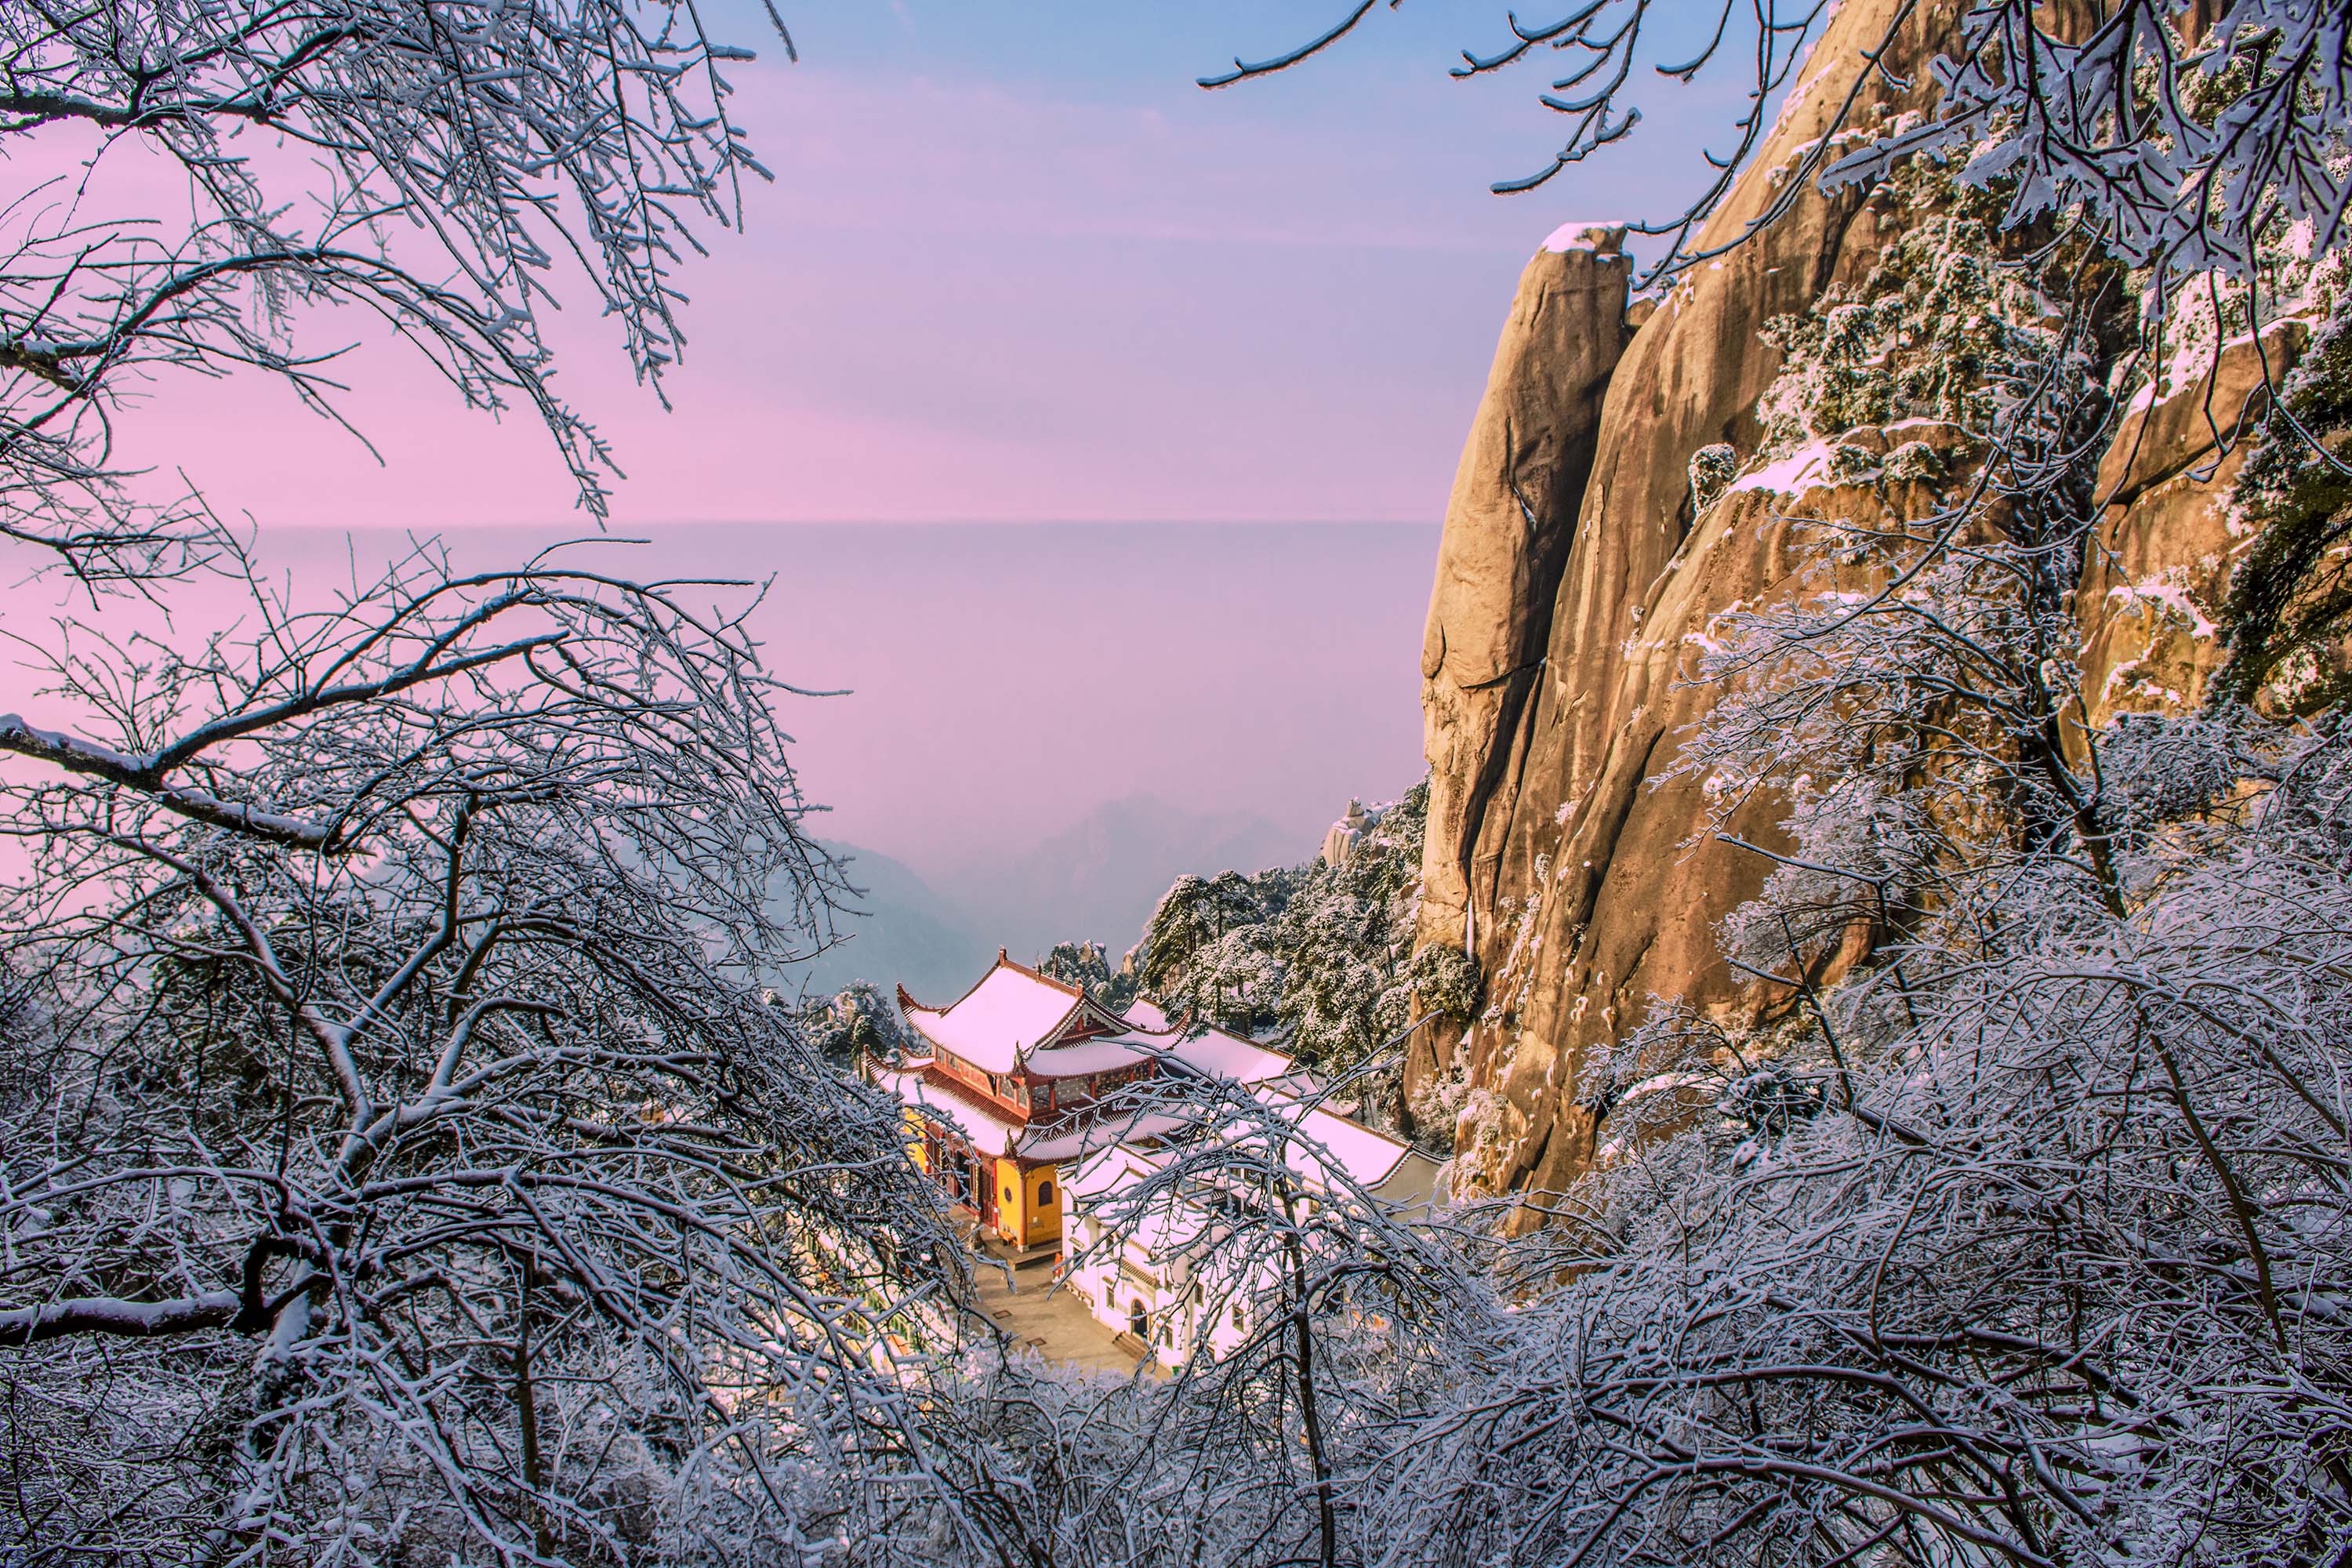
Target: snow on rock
<point>1578,234</point>
<point>1794,475</point>
<point>2169,588</point>
<point>1340,842</point>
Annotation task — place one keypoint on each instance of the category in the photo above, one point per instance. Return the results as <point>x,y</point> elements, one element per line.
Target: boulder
<point>1508,524</point>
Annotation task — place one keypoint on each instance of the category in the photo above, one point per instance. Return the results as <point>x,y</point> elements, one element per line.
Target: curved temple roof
<point>1001,1020</point>
<point>990,1131</point>
<point>1012,1018</point>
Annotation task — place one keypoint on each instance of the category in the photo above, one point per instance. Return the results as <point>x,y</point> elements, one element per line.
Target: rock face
<point>1508,527</point>
<point>1578,578</point>
<point>2153,590</point>
<point>1342,838</point>
<point>1553,651</point>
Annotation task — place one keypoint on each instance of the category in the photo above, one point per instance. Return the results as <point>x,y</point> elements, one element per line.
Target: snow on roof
<point>992,1134</point>
<point>1304,1084</point>
<point>1112,1170</point>
<point>984,1130</point>
<point>1108,1170</point>
<point>1100,1055</point>
<point>1071,1142</point>
<point>1214,1052</point>
<point>1221,1055</point>
<point>1327,1141</point>
<point>1365,1157</point>
<point>999,1021</point>
<point>1004,1021</point>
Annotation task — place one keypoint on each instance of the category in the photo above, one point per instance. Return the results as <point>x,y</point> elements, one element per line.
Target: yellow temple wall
<point>1032,1216</point>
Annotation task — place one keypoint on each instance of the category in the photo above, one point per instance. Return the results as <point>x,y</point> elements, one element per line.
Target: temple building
<point>1002,1115</point>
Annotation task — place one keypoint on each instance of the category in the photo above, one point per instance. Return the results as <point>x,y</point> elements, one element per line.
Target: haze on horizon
<point>980,687</point>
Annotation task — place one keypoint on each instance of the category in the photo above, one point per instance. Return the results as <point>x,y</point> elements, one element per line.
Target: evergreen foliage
<point>1319,957</point>
<point>2290,605</point>
<point>1213,948</point>
<point>854,1024</point>
<point>1087,965</point>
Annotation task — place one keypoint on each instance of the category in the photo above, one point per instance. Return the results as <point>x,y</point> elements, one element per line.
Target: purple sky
<point>1001,679</point>
<point>1016,267</point>
<point>1019,266</point>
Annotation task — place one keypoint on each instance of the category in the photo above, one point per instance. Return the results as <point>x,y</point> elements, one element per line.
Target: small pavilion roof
<point>1328,1145</point>
<point>1222,1055</point>
<point>1367,1157</point>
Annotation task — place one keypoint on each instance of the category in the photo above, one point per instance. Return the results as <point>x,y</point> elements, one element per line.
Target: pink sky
<point>1015,267</point>
<point>977,293</point>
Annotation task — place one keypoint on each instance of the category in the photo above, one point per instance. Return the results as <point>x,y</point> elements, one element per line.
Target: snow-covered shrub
<point>1937,328</point>
<point>1853,463</point>
<point>1913,462</point>
<point>1712,469</point>
<point>1446,982</point>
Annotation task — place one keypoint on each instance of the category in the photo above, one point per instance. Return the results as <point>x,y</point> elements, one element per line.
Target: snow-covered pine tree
<point>1086,964</point>
<point>1318,957</point>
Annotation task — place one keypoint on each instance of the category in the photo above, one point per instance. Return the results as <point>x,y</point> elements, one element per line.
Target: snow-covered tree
<point>1349,978</point>
<point>1319,956</point>
<point>857,1024</point>
<point>1211,948</point>
<point>438,170</point>
<point>407,1162</point>
<point>398,1160</point>
<point>1086,964</point>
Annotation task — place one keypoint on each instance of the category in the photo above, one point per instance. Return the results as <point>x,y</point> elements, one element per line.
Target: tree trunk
<point>526,1416</point>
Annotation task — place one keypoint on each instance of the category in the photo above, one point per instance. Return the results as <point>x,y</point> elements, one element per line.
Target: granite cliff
<point>1590,547</point>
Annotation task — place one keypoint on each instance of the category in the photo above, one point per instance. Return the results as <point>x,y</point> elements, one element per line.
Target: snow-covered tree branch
<point>445,169</point>
<point>465,1085</point>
